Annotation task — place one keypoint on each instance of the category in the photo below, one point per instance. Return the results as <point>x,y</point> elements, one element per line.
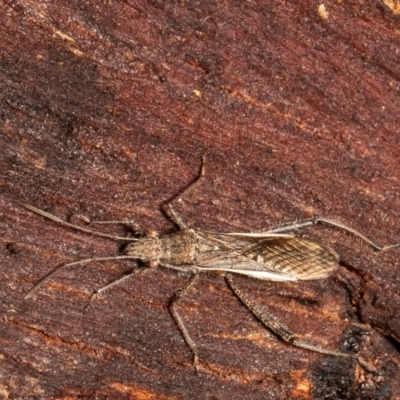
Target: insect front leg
<point>76,227</point>
<point>118,281</point>
<point>80,262</point>
<point>131,224</point>
<point>274,325</point>
<point>176,298</point>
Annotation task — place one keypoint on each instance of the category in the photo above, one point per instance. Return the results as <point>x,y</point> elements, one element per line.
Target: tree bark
<point>106,111</point>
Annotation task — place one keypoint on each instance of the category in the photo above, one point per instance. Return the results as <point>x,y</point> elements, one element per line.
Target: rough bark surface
<point>106,108</point>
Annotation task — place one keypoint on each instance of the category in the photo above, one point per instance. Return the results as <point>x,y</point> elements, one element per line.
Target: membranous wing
<point>285,258</point>
<point>299,258</point>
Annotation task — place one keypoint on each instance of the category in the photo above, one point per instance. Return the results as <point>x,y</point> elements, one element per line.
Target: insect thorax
<point>178,248</point>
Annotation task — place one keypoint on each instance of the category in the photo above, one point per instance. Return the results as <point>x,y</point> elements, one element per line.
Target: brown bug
<point>275,255</point>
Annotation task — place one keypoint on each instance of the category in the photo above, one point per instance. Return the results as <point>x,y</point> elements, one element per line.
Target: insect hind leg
<point>275,326</point>
<point>306,223</point>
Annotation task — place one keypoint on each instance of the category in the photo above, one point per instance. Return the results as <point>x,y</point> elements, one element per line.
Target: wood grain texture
<point>106,110</point>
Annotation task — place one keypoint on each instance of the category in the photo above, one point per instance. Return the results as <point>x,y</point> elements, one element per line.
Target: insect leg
<point>118,281</point>
<point>177,297</point>
<point>174,216</point>
<point>274,325</point>
<point>306,223</point>
<point>131,224</point>
<point>167,207</point>
<point>57,270</point>
<point>76,227</point>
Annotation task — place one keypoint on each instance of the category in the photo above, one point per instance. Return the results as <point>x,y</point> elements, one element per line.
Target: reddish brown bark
<point>106,110</point>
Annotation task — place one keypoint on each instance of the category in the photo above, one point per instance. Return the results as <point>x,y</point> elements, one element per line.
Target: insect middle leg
<point>274,325</point>
<point>176,298</point>
<point>167,206</point>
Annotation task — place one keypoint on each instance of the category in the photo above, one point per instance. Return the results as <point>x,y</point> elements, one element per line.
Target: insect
<point>275,255</point>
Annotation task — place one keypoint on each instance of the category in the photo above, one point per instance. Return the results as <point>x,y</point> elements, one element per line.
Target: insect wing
<point>295,257</point>
<point>240,264</point>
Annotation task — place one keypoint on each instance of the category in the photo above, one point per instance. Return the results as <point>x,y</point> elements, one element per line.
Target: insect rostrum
<point>276,254</point>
